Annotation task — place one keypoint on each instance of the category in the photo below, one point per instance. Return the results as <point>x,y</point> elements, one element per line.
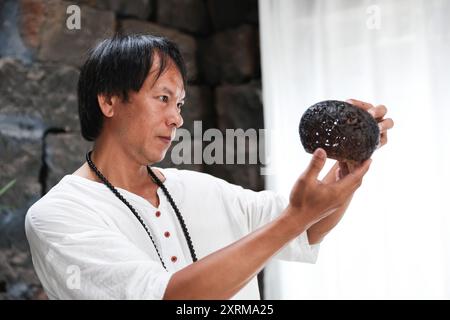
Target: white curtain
<point>394,241</point>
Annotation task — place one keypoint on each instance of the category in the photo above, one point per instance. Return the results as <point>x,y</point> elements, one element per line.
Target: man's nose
<point>174,117</point>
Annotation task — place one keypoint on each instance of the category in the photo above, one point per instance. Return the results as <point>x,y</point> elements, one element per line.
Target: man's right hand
<point>312,200</point>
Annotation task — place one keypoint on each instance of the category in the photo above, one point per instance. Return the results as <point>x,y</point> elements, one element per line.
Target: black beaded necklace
<point>168,196</point>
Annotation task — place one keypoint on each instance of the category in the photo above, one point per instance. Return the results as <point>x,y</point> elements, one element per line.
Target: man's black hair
<point>114,68</point>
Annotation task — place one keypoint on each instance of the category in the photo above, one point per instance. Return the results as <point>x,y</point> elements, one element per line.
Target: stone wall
<point>40,57</point>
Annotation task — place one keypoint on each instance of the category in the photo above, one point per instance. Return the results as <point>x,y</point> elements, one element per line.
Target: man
<point>118,228</point>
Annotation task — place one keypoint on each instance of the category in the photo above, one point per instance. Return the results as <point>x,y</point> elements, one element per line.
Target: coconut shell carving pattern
<point>345,132</point>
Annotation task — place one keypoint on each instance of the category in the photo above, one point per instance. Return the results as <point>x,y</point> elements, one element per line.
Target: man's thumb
<point>316,164</point>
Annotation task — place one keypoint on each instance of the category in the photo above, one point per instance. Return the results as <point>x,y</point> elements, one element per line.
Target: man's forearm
<point>222,274</point>
<point>318,231</point>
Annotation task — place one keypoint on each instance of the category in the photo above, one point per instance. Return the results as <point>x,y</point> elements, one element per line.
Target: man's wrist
<point>295,221</point>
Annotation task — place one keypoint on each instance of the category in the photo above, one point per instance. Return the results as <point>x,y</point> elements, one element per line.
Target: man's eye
<point>163,98</point>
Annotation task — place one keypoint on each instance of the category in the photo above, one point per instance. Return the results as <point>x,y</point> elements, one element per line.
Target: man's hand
<point>378,113</point>
<point>342,169</point>
<point>312,200</point>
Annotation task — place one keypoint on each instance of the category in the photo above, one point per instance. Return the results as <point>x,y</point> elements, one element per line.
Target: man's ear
<point>107,104</point>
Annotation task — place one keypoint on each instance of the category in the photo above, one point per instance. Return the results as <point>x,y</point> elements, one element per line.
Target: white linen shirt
<point>87,244</point>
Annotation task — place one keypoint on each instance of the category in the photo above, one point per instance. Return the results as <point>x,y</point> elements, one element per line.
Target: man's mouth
<point>167,140</point>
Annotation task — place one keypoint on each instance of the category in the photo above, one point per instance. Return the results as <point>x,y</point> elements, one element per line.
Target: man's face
<point>147,123</point>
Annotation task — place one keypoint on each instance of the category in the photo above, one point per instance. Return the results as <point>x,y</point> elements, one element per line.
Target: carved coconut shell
<point>345,132</point>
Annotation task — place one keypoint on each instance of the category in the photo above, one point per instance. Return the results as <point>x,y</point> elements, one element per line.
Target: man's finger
<point>360,104</point>
<point>344,169</point>
<point>338,174</point>
<point>352,181</point>
<point>378,112</point>
<point>316,164</point>
<point>386,124</point>
<point>330,177</point>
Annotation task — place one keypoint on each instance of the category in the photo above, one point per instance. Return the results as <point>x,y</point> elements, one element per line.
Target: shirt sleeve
<point>262,207</point>
<point>79,257</point>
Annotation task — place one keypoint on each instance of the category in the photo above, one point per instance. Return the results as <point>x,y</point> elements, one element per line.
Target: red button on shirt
<point>174,259</point>
<point>157,213</point>
<point>167,234</point>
